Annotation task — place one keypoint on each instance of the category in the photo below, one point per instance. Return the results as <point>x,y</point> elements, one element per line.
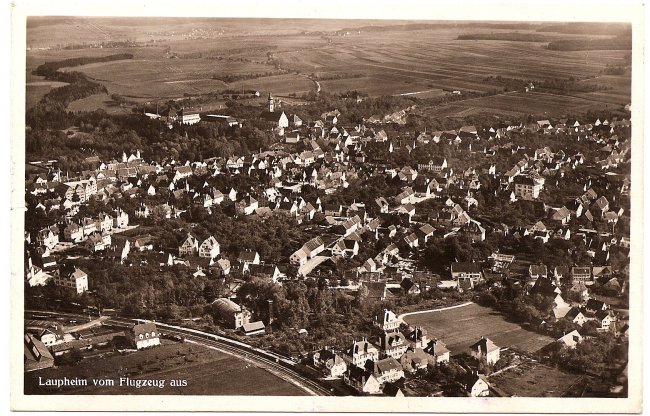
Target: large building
<point>279,119</point>
<point>77,280</point>
<point>435,165</point>
<point>466,274</point>
<point>188,117</point>
<point>528,188</point>
<point>230,313</point>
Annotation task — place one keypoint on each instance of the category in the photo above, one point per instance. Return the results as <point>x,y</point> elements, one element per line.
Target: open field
<point>532,379</point>
<point>99,101</point>
<point>207,372</point>
<point>520,103</point>
<point>35,90</point>
<point>377,62</point>
<point>461,327</point>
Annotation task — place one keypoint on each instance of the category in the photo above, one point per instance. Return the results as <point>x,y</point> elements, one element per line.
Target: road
<point>309,386</point>
<point>316,83</point>
<point>401,317</point>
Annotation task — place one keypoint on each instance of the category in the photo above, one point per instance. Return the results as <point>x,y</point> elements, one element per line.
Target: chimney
<point>270,301</point>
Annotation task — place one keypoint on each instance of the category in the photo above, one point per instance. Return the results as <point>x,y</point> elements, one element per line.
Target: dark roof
<point>484,345</point>
<point>524,180</point>
<point>543,286</point>
<point>376,290</point>
<point>465,267</point>
<point>247,255</point>
<point>385,365</point>
<point>595,304</point>
<point>144,328</point>
<point>271,116</point>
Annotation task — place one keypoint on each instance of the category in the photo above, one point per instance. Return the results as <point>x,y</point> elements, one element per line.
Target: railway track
<point>278,366</point>
<point>306,384</point>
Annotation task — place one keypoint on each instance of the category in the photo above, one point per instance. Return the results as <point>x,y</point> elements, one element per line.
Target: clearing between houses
<point>459,327</point>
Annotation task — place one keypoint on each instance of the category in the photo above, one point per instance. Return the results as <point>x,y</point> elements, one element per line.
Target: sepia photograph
<point>365,209</point>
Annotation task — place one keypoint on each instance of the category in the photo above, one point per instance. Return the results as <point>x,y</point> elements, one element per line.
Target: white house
<point>209,248</point>
<point>146,335</point>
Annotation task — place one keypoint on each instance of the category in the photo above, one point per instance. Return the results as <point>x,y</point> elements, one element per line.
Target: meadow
<point>531,379</point>
<point>207,371</point>
<point>459,328</point>
<point>425,63</point>
<point>521,103</point>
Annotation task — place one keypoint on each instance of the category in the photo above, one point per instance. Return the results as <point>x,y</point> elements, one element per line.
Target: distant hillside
<point>511,36</point>
<point>441,24</point>
<point>618,43</point>
<point>590,28</point>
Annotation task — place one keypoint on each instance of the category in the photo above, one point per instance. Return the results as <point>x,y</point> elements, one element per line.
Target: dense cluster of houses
<point>170,188</point>
<point>284,173</point>
<point>378,366</point>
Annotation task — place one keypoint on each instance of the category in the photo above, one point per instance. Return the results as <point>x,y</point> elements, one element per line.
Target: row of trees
<point>555,84</point>
<point>50,70</point>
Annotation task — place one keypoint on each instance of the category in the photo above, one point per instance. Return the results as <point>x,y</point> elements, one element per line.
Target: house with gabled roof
<point>576,316</point>
<point>48,236</point>
<point>605,320</point>
<point>376,290</point>
<point>412,240</point>
<point>386,370</point>
<point>98,241</point>
<point>475,385</point>
<point>393,344</point>
<point>361,380</point>
<point>570,340</point>
<point>407,196</point>
<point>360,352</point>
<point>145,335</point>
<point>581,274</point>
<point>248,257</point>
<point>436,350</point>
<point>332,364</point>
<point>268,271</point>
<point>485,350</point>
<point>436,165</point>
<point>221,267</point>
<point>600,207</point>
<point>595,305</point>
<point>536,271</point>
<point>120,249</point>
<point>473,230</point>
<point>466,273</point>
<point>246,206</point>
<point>189,246</point>
<point>209,248</point>
<point>561,215</point>
<point>388,321</point>
<point>76,279</point>
<point>182,172</point>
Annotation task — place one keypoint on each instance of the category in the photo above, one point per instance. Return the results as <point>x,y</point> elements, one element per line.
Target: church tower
<point>270,103</point>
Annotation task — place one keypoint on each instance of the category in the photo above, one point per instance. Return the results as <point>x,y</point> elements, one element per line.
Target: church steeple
<point>270,103</point>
